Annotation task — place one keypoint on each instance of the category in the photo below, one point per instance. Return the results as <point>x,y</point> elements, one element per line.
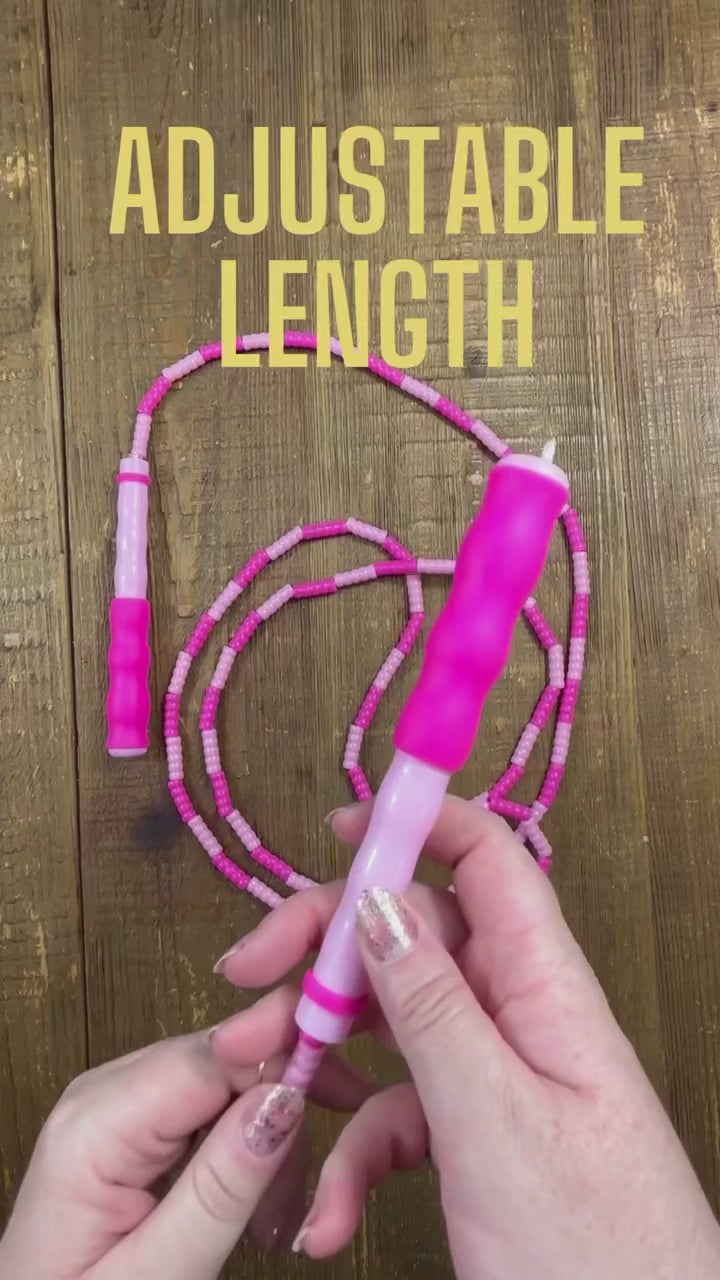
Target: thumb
<point>194,1229</point>
<point>450,1044</point>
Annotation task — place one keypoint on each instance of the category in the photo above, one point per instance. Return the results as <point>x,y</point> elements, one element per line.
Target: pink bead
<point>368,532</point>
<point>270,861</point>
<point>221,791</point>
<point>561,743</point>
<point>552,781</point>
<point>455,414</point>
<point>368,706</point>
<point>386,371</point>
<point>143,423</point>
<point>511,776</point>
<point>264,893</point>
<point>411,633</point>
<point>328,529</point>
<point>256,562</point>
<point>436,566</point>
<point>556,666</point>
<point>183,663</point>
<point>528,738</point>
<point>321,587</point>
<point>202,630</point>
<point>544,706</point>
<point>509,808</point>
<point>181,800</point>
<point>211,351</point>
<point>227,597</point>
<point>295,338</point>
<point>394,568</point>
<point>576,657</point>
<point>285,544</point>
<point>420,390</point>
<point>224,667</point>
<point>573,530</point>
<point>234,874</point>
<point>392,663</point>
<point>275,602</point>
<point>359,783</point>
<point>352,747</point>
<point>487,438</point>
<point>395,548</point>
<point>246,629</point>
<point>578,623</point>
<point>243,831</point>
<point>415,594</point>
<point>568,701</point>
<point>366,573</point>
<point>181,368</point>
<point>171,715</point>
<point>581,572</point>
<point>152,398</point>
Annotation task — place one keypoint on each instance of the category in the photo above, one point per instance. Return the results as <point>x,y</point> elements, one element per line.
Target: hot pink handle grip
<point>498,565</point>
<point>128,700</point>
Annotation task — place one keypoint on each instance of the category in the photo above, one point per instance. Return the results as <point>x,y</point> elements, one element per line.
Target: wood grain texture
<point>42,1014</point>
<point>626,378</point>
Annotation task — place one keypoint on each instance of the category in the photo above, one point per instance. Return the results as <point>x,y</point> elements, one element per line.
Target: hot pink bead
<point>411,633</point>
<point>329,529</point>
<point>395,548</point>
<point>202,630</point>
<point>455,414</point>
<point>359,783</point>
<point>368,706</point>
<point>544,706</point>
<point>568,700</point>
<point>508,780</point>
<point>234,874</point>
<point>270,861</point>
<point>182,800</point>
<point>296,338</point>
<point>320,587</point>
<point>171,715</point>
<point>152,398</point>
<point>221,791</point>
<point>509,808</point>
<point>211,351</point>
<point>246,629</point>
<point>573,530</point>
<point>386,371</point>
<point>578,624</point>
<point>256,562</point>
<point>552,781</point>
<point>394,568</point>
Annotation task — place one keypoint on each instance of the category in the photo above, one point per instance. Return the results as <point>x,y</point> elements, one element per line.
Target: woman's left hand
<point>92,1205</point>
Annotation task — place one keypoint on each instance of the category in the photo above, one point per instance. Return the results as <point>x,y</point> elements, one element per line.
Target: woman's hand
<point>91,1206</point>
<point>555,1157</point>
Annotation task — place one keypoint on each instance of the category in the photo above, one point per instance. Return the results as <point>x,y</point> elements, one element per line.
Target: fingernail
<point>328,819</point>
<point>387,925</point>
<point>279,1113</point>
<point>298,1245</point>
<point>219,966</point>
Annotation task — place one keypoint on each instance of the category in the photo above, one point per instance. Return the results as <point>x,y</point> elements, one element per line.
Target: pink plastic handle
<point>128,700</point>
<point>498,566</point>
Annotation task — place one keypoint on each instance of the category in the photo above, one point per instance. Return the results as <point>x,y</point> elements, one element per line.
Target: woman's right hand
<point>556,1159</point>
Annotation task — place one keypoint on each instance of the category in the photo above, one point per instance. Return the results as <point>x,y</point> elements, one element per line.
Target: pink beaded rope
<point>563,683</point>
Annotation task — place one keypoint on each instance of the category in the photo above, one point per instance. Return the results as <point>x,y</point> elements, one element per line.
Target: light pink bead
<point>556,666</point>
<point>243,831</point>
<point>265,895</point>
<point>392,663</point>
<point>183,663</point>
<point>561,742</point>
<point>223,668</point>
<point>436,566</point>
<point>285,544</point>
<point>211,750</point>
<point>576,658</point>
<point>528,738</point>
<point>487,437</point>
<point>350,578</point>
<point>255,342</point>
<point>420,390</point>
<point>143,423</point>
<point>204,836</point>
<point>369,532</point>
<point>415,594</point>
<point>275,602</point>
<point>352,747</point>
<point>581,572</point>
<point>173,751</point>
<point>181,368</point>
<point>298,883</point>
<point>227,597</point>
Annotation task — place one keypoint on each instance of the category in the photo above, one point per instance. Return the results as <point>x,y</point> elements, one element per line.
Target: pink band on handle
<point>332,1001</point>
<point>136,477</point>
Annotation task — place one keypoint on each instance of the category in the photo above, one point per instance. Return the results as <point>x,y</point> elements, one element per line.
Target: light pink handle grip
<point>498,566</point>
<point>128,700</point>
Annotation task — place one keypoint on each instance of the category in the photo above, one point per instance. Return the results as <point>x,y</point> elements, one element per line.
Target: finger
<point>459,1062</point>
<point>389,1133</point>
<point>284,938</point>
<point>337,1086</point>
<point>521,960</point>
<point>280,1213</point>
<point>193,1230</point>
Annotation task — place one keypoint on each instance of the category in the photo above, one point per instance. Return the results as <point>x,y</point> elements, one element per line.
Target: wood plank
<point>240,456</point>
<point>42,1015</point>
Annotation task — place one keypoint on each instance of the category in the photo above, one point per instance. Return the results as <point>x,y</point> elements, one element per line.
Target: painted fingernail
<point>279,1113</point>
<point>387,925</point>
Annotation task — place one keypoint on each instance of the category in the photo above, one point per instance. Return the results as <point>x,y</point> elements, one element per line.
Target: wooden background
<point>110,917</point>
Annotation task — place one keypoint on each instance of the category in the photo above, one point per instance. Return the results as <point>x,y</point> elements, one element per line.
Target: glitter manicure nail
<point>388,926</point>
<point>277,1116</point>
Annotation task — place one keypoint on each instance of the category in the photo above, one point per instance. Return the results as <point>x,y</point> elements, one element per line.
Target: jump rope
<point>498,565</point>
